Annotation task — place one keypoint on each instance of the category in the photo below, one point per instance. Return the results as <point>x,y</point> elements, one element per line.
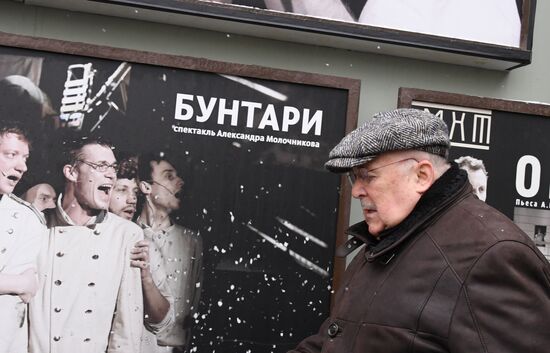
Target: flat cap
<point>399,129</point>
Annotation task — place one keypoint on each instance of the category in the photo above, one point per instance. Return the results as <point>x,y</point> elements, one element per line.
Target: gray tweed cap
<point>400,129</point>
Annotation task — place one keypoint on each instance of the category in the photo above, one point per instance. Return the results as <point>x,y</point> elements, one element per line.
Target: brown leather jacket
<point>455,276</point>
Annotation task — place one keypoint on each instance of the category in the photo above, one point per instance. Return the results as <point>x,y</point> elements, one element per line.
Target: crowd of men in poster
<point>102,266</point>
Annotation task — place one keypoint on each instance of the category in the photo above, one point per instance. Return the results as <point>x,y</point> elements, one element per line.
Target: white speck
<point>327,64</point>
<point>228,35</point>
<point>103,30</point>
<point>236,144</point>
<point>204,211</point>
<point>378,47</point>
<point>220,303</point>
<point>161,154</point>
<point>232,217</point>
<point>198,285</point>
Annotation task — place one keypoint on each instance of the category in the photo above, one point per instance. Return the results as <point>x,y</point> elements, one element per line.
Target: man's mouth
<point>129,211</point>
<point>368,207</point>
<point>13,177</point>
<point>106,188</point>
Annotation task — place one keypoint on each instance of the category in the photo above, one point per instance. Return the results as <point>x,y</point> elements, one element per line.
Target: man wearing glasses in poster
<point>439,271</point>
<point>89,297</point>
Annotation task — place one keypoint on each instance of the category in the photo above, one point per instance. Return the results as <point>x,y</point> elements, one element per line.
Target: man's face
<point>13,161</point>
<point>93,187</point>
<point>386,191</point>
<point>478,179</point>
<point>42,196</point>
<point>124,198</point>
<point>166,186</point>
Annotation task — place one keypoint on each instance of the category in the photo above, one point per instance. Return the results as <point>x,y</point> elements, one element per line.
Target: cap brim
<point>345,164</point>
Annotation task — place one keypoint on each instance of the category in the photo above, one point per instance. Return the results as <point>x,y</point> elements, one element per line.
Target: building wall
<point>381,76</point>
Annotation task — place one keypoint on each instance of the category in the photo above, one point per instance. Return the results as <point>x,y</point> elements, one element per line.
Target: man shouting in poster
<point>21,229</point>
<point>180,247</point>
<point>89,297</point>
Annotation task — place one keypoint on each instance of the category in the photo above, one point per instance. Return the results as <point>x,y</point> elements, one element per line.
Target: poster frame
<point>302,26</point>
<point>352,86</point>
<point>407,95</point>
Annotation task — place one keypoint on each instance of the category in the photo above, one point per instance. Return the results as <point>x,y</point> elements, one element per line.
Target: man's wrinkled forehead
<point>162,167</point>
<point>6,134</point>
<point>97,153</point>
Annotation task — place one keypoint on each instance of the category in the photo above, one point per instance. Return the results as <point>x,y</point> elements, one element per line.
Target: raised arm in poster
<point>438,270</point>
<point>227,167</point>
<point>503,144</point>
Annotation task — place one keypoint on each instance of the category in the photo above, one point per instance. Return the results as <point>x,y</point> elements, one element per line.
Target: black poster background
<point>255,297</point>
<point>515,136</point>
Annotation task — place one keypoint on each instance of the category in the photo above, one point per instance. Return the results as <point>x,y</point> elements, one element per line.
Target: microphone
<point>166,188</point>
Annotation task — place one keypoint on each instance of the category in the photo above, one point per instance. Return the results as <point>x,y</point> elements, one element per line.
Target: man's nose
<point>110,173</point>
<point>131,199</point>
<point>21,166</point>
<point>358,190</point>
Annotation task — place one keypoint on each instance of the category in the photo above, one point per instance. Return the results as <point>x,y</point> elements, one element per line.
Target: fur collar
<point>452,185</point>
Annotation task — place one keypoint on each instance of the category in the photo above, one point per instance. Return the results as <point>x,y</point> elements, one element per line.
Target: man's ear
<point>425,176</point>
<point>70,173</point>
<point>145,188</point>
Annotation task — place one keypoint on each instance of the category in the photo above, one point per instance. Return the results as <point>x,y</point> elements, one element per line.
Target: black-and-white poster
<point>231,156</point>
<point>503,147</point>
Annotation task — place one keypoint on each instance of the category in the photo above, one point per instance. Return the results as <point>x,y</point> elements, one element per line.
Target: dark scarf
<point>452,185</point>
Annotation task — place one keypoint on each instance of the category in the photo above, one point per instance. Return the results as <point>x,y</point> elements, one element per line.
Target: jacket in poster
<point>455,276</point>
<point>21,229</point>
<point>181,251</point>
<point>89,298</point>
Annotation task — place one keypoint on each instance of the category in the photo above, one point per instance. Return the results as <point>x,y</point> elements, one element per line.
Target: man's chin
<point>375,229</point>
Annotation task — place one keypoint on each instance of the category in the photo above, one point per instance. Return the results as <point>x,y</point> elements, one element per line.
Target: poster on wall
<point>503,147</point>
<point>224,176</point>
<point>491,29</point>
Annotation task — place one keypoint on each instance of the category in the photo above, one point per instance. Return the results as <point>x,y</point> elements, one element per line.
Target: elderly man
<point>21,228</point>
<point>90,297</point>
<point>439,271</point>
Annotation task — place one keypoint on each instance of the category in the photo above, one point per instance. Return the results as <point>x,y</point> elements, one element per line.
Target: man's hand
<point>28,285</point>
<point>139,258</point>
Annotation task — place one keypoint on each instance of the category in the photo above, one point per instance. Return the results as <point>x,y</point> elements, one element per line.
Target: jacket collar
<point>451,187</point>
<point>58,216</point>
